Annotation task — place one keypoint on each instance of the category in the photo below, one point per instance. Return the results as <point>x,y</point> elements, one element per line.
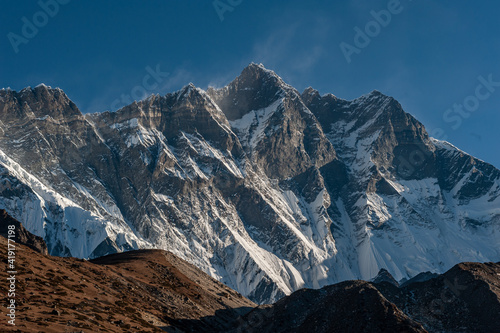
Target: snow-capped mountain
<point>264,188</point>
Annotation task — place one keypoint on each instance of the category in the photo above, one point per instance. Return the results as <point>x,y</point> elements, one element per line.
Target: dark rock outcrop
<point>384,276</point>
<point>464,299</point>
<point>351,306</point>
<point>21,235</point>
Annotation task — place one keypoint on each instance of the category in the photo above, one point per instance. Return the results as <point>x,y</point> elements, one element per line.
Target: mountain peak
<point>257,72</point>
<point>39,102</point>
<point>189,91</point>
<point>187,88</point>
<point>384,276</point>
<point>257,66</point>
<point>45,89</point>
<point>255,88</point>
<point>310,91</point>
<point>43,86</point>
<point>309,95</point>
<point>374,94</point>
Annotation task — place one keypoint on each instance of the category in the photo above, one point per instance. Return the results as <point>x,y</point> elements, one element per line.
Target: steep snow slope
<point>402,207</point>
<point>68,228</point>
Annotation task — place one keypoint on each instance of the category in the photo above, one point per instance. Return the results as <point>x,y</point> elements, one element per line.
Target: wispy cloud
<point>176,80</point>
<point>298,47</point>
<point>220,81</point>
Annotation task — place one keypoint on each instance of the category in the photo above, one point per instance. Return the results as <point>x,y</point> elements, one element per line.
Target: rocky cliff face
<point>264,188</point>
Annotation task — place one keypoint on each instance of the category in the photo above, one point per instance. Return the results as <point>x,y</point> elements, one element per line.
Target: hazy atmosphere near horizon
<point>429,55</point>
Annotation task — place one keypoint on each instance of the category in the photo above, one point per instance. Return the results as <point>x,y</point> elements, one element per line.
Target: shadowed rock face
<point>384,276</point>
<point>21,235</point>
<point>261,187</point>
<point>351,306</point>
<point>254,89</point>
<point>421,277</point>
<point>464,299</point>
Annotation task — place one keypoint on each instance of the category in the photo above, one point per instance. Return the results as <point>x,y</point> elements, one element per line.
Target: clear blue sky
<point>429,56</point>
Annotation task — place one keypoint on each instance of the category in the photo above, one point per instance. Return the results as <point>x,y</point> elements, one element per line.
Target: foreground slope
<point>139,291</point>
<point>155,291</point>
<point>264,188</point>
<point>464,299</point>
<point>350,306</point>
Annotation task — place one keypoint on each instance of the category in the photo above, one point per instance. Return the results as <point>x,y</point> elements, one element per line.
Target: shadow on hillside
<point>223,321</point>
<point>124,257</point>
